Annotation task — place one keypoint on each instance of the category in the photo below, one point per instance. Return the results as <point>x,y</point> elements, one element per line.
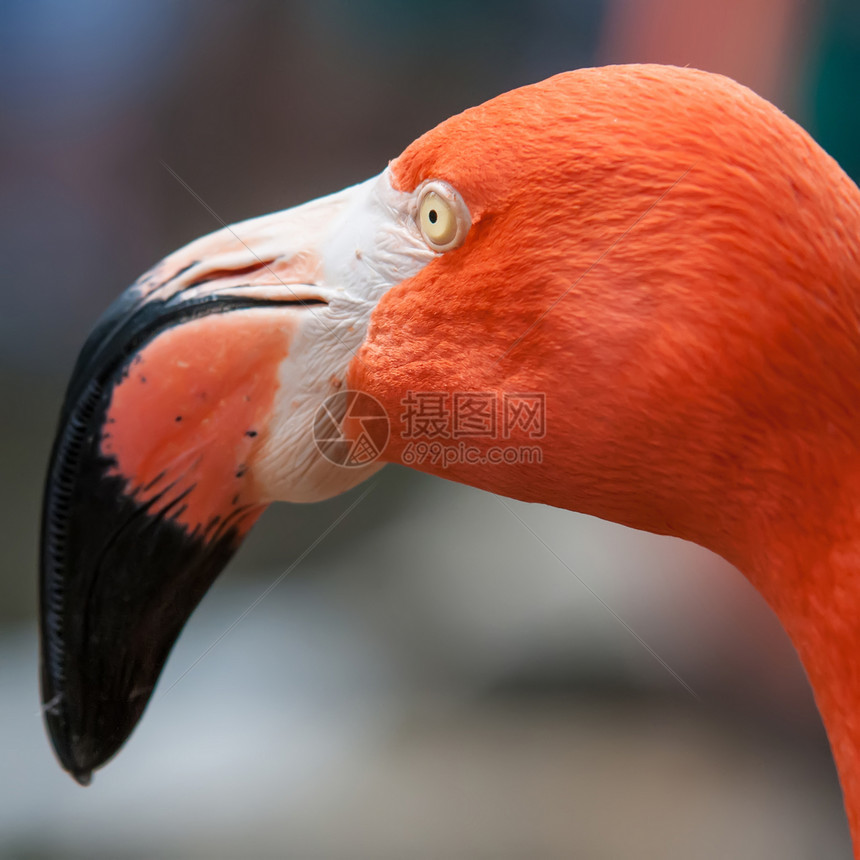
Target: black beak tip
<point>80,762</point>
<point>82,777</point>
<point>74,761</point>
<point>77,756</point>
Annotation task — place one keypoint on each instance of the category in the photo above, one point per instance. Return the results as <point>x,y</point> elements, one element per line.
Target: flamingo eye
<point>443,217</point>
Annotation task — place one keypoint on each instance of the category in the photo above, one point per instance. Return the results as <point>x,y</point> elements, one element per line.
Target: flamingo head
<point>649,249</point>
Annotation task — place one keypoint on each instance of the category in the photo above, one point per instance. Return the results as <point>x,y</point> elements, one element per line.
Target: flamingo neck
<point>809,572</point>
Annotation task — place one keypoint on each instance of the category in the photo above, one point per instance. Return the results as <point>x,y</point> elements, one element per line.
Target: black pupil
<point>432,216</point>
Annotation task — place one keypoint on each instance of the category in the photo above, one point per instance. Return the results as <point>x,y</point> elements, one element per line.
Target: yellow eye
<point>442,216</point>
<point>437,220</point>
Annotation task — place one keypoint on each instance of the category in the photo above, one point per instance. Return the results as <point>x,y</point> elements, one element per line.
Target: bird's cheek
<point>185,422</point>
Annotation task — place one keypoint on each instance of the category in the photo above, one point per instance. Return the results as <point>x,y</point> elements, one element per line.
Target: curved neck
<point>808,569</point>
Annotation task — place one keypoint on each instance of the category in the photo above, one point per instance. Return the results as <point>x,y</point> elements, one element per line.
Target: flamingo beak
<point>152,483</point>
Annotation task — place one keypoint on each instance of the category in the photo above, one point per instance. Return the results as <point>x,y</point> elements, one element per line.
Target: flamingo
<point>664,257</point>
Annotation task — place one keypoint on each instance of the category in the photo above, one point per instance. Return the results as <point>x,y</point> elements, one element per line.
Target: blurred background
<point>431,680</point>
